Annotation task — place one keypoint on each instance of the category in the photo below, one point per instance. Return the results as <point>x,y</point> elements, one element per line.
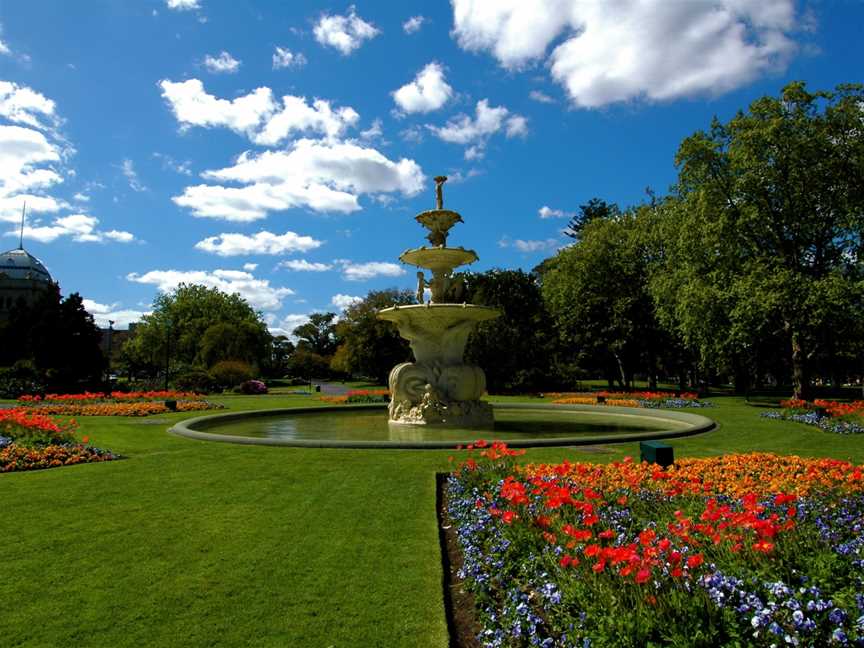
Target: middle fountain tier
<point>438,388</point>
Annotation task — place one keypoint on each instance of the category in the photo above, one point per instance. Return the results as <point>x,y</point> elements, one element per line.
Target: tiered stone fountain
<point>438,388</point>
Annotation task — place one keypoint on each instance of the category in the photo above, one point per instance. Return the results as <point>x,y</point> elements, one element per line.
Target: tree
<point>517,350</point>
<point>770,227</point>
<point>369,346</point>
<point>597,292</point>
<point>318,335</point>
<point>58,336</point>
<point>281,349</point>
<point>593,210</point>
<point>198,326</point>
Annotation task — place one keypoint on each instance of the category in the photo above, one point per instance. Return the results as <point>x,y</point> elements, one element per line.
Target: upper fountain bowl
<point>438,219</point>
<point>438,259</point>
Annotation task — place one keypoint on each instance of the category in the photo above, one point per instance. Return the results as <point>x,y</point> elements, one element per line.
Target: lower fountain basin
<point>519,425</point>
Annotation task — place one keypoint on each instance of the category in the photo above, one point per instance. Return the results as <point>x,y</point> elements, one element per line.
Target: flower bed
<point>359,396</point>
<point>116,403</point>
<point>648,399</point>
<point>116,396</point>
<point>752,549</point>
<point>32,441</point>
<point>831,416</point>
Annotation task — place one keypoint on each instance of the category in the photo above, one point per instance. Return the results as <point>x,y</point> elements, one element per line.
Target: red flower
<point>695,560</point>
<point>642,575</point>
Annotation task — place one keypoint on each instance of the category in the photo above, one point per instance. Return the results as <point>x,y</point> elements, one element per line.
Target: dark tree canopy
<point>517,350</point>
<point>369,346</point>
<point>58,336</point>
<point>318,335</point>
<point>594,209</point>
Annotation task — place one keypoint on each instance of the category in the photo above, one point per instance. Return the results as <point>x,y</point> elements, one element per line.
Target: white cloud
<point>344,301</point>
<point>475,132</point>
<point>105,313</point>
<point>81,228</point>
<point>364,271</point>
<point>322,176</point>
<point>298,116</point>
<point>23,105</point>
<point>80,197</point>
<point>530,246</point>
<point>287,324</point>
<point>192,106</point>
<point>4,48</point>
<point>261,243</point>
<point>373,131</point>
<point>285,58</point>
<point>631,49</point>
<point>222,64</point>
<point>24,152</point>
<point>182,5</point>
<point>345,33</point>
<point>256,115</point>
<point>128,169</point>
<point>250,267</point>
<point>540,97</point>
<point>427,92</point>
<point>302,265</point>
<point>413,24</point>
<point>258,292</point>
<point>168,162</point>
<point>547,212</point>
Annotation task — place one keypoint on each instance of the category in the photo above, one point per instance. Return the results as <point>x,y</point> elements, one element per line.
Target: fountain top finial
<point>439,191</point>
<point>438,221</point>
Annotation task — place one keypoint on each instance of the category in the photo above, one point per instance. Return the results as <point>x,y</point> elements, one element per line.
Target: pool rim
<point>696,424</point>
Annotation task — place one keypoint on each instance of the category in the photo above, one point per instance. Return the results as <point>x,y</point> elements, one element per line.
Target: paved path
<point>332,388</point>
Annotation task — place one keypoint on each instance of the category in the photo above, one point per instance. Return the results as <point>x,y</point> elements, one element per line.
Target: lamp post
<point>167,350</point>
<point>110,335</point>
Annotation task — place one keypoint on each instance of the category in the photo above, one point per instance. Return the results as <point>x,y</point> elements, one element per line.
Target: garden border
<point>695,424</point>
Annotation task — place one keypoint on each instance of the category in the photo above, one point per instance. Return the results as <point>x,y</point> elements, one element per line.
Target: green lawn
<point>202,544</point>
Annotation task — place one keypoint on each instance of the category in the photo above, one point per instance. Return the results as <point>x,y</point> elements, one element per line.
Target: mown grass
<point>189,543</point>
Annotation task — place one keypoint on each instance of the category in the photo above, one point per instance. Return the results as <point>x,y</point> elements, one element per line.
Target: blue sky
<point>281,150</point>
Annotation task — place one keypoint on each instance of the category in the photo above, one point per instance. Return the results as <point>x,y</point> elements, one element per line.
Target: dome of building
<point>21,275</point>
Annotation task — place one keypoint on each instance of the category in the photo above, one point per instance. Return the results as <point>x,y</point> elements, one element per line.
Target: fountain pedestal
<point>438,388</point>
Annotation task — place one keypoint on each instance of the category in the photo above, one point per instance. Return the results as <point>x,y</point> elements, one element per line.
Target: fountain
<point>438,388</point>
<point>435,400</point>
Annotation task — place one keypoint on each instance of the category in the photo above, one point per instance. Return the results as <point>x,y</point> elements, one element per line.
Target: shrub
<point>20,378</point>
<point>253,387</point>
<point>230,373</point>
<point>197,380</point>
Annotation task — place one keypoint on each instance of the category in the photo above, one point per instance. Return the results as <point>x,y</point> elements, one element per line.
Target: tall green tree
<point>318,335</point>
<point>597,292</point>
<point>369,346</point>
<point>594,209</point>
<point>517,350</point>
<point>198,326</point>
<point>768,228</point>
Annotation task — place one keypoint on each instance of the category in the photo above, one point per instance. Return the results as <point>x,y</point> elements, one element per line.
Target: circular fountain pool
<point>366,426</point>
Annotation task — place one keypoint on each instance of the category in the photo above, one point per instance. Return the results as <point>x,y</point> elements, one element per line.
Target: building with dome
<point>22,276</point>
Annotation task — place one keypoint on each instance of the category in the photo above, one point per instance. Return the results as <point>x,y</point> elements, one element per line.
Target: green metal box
<point>656,452</point>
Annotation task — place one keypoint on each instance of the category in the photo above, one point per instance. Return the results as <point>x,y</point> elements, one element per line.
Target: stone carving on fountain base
<point>441,395</point>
